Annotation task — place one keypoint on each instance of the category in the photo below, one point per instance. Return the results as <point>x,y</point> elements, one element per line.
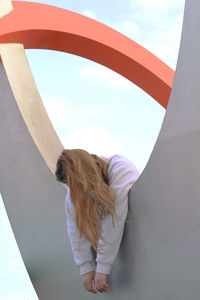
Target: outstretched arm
<point>122,175</point>
<point>112,236</point>
<point>82,258</point>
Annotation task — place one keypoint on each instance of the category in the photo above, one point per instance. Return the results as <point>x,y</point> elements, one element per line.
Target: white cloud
<point>94,139</point>
<point>105,76</point>
<point>21,296</point>
<point>5,225</point>
<point>157,4</point>
<point>160,24</point>
<point>165,44</point>
<point>89,13</point>
<point>61,112</point>
<point>156,25</point>
<point>17,262</point>
<point>128,28</point>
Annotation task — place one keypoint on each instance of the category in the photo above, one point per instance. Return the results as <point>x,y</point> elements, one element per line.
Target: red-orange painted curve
<point>40,26</point>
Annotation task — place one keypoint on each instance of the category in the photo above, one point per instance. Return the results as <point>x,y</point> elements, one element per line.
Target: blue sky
<point>92,107</point>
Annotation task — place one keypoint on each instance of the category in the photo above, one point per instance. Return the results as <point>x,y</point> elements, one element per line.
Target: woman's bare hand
<point>87,281</point>
<point>101,282</point>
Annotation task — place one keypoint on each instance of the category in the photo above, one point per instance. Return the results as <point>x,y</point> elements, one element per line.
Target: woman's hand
<point>87,281</point>
<point>101,282</point>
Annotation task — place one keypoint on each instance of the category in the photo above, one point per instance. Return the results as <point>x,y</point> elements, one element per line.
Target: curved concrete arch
<point>5,7</point>
<point>30,105</point>
<point>31,24</point>
<point>165,203</point>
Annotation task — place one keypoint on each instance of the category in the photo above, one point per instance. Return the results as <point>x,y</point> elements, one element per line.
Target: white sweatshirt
<point>122,174</point>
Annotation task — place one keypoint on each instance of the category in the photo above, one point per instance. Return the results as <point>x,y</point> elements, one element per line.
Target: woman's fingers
<point>87,282</point>
<point>101,287</point>
<point>91,289</point>
<point>100,282</point>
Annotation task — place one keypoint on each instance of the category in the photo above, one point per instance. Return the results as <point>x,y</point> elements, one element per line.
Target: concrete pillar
<point>5,7</point>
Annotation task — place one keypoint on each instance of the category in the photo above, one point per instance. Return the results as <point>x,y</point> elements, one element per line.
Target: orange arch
<point>40,26</point>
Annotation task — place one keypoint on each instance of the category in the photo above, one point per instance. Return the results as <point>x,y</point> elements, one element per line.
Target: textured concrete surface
<point>159,254</point>
<point>29,102</point>
<point>5,7</point>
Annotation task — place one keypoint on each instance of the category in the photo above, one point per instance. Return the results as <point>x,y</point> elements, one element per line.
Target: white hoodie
<point>122,174</point>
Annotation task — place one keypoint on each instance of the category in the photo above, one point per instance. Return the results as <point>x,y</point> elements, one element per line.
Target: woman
<point>96,207</point>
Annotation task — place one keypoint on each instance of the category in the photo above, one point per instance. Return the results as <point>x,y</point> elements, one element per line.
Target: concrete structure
<point>49,27</point>
<point>5,7</point>
<point>159,254</point>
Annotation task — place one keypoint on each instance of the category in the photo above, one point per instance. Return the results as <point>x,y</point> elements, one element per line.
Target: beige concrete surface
<point>5,7</point>
<point>29,102</point>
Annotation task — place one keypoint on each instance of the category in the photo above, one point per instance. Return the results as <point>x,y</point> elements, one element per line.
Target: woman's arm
<point>82,258</point>
<point>112,236</point>
<point>122,175</point>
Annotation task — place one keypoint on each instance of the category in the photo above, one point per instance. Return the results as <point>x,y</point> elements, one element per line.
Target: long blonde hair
<point>87,177</point>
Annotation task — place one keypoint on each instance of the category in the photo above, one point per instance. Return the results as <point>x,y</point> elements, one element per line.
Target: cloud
<point>105,76</point>
<point>89,13</point>
<point>129,28</point>
<point>20,296</point>
<point>156,25</point>
<point>61,112</point>
<point>16,263</point>
<point>163,5</point>
<point>166,44</point>
<point>95,139</point>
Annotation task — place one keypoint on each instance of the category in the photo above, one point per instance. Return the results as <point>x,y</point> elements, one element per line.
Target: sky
<point>94,108</point>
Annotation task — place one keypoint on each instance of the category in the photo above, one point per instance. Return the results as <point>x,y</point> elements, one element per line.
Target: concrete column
<point>5,7</point>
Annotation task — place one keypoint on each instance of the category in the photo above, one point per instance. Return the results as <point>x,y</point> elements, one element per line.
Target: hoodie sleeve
<point>122,175</point>
<point>84,257</point>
